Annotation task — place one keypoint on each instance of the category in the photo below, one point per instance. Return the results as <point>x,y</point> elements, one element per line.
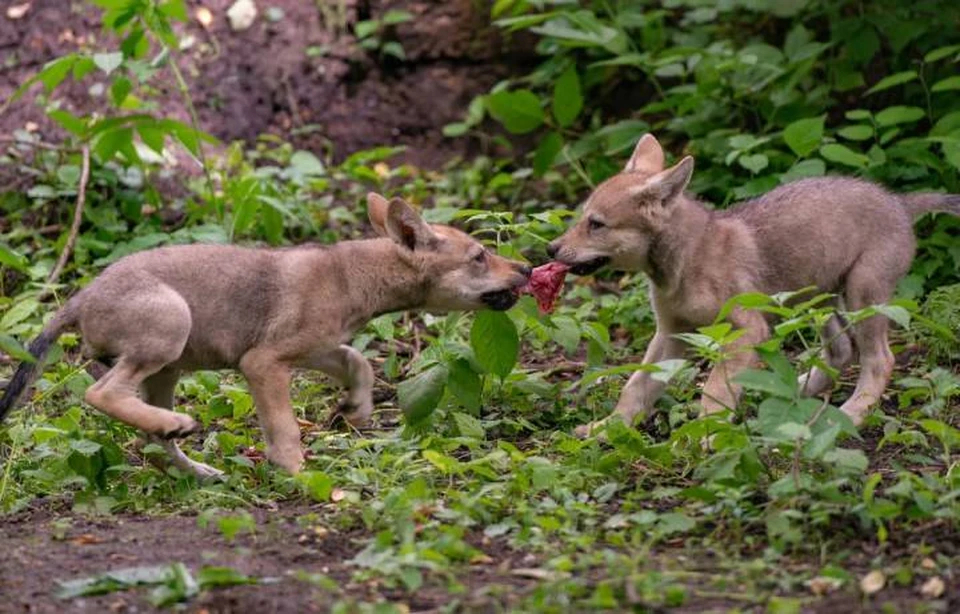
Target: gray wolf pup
<point>158,313</point>
<point>840,235</point>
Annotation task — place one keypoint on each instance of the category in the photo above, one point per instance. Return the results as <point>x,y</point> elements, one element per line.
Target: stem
<point>194,119</point>
<point>75,226</point>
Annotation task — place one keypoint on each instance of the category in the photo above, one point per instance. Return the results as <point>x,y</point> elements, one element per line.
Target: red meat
<point>545,284</point>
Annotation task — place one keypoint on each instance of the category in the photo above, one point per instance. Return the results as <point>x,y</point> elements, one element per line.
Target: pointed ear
<point>670,183</point>
<point>407,228</point>
<point>647,156</point>
<point>377,212</point>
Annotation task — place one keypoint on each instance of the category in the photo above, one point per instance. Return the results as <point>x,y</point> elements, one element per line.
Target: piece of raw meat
<point>545,284</point>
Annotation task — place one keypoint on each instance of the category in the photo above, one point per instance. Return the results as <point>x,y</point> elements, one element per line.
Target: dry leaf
<point>536,573</point>
<point>382,170</point>
<point>873,582</point>
<point>928,563</point>
<point>204,16</point>
<point>821,585</point>
<point>337,494</point>
<point>932,588</point>
<point>85,539</point>
<point>17,11</point>
<point>481,559</point>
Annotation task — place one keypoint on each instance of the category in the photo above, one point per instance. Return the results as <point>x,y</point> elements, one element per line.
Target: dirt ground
<point>297,72</point>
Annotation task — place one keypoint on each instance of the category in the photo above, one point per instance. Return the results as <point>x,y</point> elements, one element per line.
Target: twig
<point>75,227</point>
<point>12,140</point>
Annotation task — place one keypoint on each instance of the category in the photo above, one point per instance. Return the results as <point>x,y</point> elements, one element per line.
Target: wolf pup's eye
<point>481,257</point>
<point>594,224</point>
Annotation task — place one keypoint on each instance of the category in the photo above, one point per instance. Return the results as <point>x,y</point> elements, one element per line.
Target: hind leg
<point>865,288</point>
<point>116,395</point>
<point>349,366</point>
<point>158,390</point>
<point>837,352</point>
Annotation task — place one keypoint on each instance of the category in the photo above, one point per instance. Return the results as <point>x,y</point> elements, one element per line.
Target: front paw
<point>355,415</point>
<point>290,460</point>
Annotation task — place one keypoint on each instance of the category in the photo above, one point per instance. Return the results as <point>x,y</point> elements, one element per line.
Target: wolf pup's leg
<point>867,286</point>
<point>720,391</point>
<point>269,380</point>
<point>837,352</point>
<point>642,390</point>
<point>158,390</point>
<point>349,366</point>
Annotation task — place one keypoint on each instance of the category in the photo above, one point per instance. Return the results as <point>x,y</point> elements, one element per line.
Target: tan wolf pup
<point>158,313</point>
<point>840,235</point>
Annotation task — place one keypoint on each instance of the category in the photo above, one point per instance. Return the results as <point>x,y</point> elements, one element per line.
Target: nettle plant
<point>760,92</point>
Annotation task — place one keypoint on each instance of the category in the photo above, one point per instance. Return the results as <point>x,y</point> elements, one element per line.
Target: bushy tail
<point>924,202</point>
<point>28,371</point>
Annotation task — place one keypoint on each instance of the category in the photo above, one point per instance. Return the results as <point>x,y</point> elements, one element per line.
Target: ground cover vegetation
<point>470,493</point>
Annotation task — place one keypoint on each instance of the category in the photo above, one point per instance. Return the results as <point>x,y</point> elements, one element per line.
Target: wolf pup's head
<point>460,273</point>
<point>622,217</point>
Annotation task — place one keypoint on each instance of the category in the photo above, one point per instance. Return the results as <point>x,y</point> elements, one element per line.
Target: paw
<point>592,429</point>
<point>355,415</point>
<point>290,461</point>
<point>180,425</point>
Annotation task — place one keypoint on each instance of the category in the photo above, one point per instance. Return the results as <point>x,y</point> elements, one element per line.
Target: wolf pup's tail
<point>924,202</point>
<point>28,371</point>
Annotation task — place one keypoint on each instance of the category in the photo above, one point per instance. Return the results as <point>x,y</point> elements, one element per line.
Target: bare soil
<point>300,75</point>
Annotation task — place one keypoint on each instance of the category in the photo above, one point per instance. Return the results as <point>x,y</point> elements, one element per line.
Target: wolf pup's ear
<point>377,212</point>
<point>647,156</point>
<point>406,228</point>
<point>671,183</point>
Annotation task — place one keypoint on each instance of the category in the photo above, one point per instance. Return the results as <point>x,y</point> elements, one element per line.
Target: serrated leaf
<point>567,98</point>
<point>805,135</point>
<point>318,484</point>
<point>468,425</point>
<point>12,259</point>
<point>495,342</point>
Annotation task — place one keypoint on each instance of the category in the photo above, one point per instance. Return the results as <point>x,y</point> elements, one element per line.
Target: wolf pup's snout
<point>552,249</point>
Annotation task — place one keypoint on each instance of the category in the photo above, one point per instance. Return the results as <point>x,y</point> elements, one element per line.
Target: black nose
<point>524,270</point>
<point>552,250</point>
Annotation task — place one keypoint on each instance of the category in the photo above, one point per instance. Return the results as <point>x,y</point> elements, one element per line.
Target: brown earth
<point>297,72</point>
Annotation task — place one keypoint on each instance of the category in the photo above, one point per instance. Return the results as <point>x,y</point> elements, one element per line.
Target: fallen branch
<point>75,227</point>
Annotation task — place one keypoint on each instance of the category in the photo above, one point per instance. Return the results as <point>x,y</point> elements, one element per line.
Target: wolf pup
<point>840,235</point>
<point>158,313</point>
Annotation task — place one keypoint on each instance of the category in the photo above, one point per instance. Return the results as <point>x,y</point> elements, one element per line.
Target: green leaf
<point>948,84</point>
<point>546,154</point>
<point>892,116</point>
<point>108,62</point>
<point>12,259</point>
<point>841,154</point>
<point>567,98</point>
<point>940,53</point>
<point>518,111</point>
<point>174,9</point>
<point>860,132</point>
<point>804,136</point>
<point>495,342</point>
<point>12,348</point>
<point>420,395</point>
<point>813,167</point>
<point>766,381</point>
<point>465,385</point>
<point>152,137</point>
<point>211,576</point>
<point>56,71</point>
<point>119,90</point>
<point>364,29</point>
<point>396,16</point>
<point>306,163</point>
<point>318,485</point>
<point>468,425</point>
<point>754,162</point>
<point>112,141</point>
<point>853,461</point>
<point>455,129</point>
<point>892,81</point>
<point>69,121</point>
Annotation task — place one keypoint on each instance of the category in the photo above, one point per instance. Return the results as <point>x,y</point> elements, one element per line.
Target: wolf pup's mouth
<point>590,266</point>
<point>499,300</point>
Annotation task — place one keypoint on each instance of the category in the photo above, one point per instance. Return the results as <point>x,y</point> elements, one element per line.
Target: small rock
<point>242,14</point>
<point>873,582</point>
<point>821,585</point>
<point>204,16</point>
<point>932,588</point>
<point>928,563</point>
<point>17,11</point>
